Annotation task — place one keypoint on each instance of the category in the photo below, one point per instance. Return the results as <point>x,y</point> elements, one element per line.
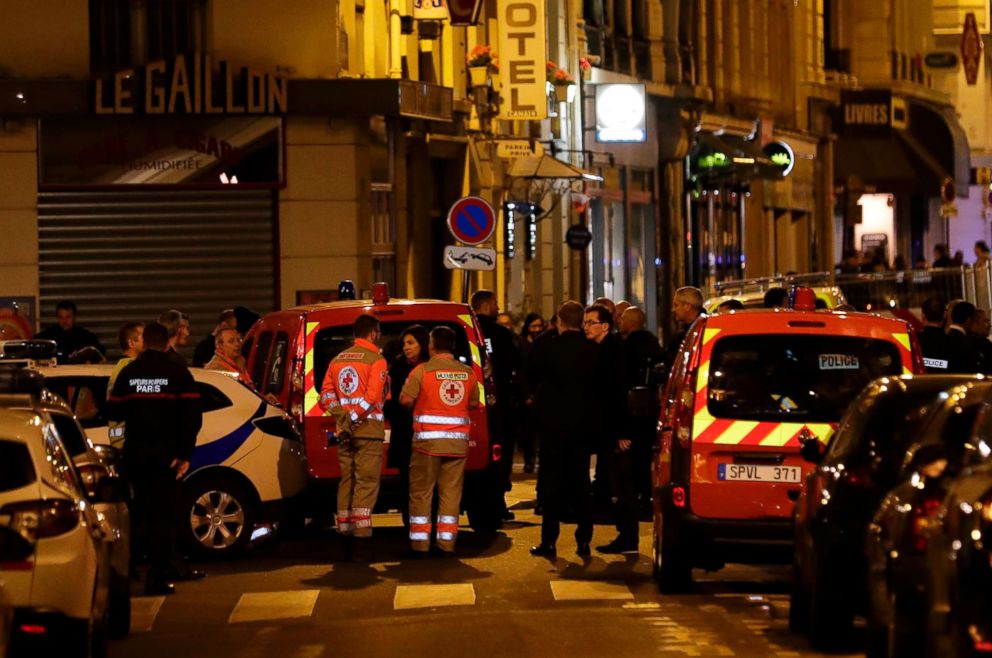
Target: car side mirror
<point>110,489</point>
<point>811,451</point>
<point>13,546</point>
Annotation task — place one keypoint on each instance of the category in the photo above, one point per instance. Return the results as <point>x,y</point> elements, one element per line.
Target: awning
<point>547,167</point>
<point>913,160</point>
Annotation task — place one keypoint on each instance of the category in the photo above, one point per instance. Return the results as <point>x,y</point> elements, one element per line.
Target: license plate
<point>755,473</point>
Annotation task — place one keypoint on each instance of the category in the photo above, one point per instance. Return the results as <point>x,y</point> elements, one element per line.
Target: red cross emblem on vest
<point>348,380</point>
<point>452,393</point>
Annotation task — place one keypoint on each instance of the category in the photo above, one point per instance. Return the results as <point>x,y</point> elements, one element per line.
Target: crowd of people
<point>875,261</point>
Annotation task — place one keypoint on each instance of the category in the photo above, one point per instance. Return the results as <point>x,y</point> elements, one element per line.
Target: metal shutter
<point>130,255</point>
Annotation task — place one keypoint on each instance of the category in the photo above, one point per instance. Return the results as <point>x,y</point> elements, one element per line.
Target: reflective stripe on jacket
<point>356,382</point>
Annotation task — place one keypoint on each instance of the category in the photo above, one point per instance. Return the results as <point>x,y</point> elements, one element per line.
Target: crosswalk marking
<point>265,606</point>
<point>409,597</point>
<point>144,609</point>
<point>589,590</point>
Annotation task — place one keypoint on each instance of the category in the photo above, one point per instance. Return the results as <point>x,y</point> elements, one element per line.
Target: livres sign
<point>871,113</point>
<point>189,84</point>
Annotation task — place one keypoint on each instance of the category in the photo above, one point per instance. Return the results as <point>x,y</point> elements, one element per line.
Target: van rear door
<point>758,397</point>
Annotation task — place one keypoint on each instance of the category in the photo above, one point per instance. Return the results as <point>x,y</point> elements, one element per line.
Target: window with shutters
<point>126,33</point>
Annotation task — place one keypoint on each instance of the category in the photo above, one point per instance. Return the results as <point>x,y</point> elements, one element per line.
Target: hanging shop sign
<point>941,60</point>
<point>578,237</point>
<point>621,111</point>
<point>522,46</point>
<point>189,151</point>
<point>782,155</point>
<point>189,84</point>
<point>518,148</point>
<point>971,48</point>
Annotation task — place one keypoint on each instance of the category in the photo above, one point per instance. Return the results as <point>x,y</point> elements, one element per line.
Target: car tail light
<point>39,519</point>
<point>678,496</point>
<point>685,410</point>
<point>497,452</point>
<point>32,629</point>
<point>297,379</point>
<point>90,474</point>
<point>924,516</point>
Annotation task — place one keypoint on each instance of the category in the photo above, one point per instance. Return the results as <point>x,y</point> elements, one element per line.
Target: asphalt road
<point>297,598</point>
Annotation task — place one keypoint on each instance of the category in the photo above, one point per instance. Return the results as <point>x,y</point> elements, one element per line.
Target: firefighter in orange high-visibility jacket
<point>441,392</point>
<point>353,393</point>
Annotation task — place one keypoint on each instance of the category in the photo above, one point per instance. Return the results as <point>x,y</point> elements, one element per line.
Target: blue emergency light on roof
<point>346,289</point>
<point>380,293</point>
<point>802,298</point>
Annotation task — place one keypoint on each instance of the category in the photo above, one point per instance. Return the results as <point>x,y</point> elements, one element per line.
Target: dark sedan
<point>959,553</point>
<point>834,509</point>
<point>899,533</point>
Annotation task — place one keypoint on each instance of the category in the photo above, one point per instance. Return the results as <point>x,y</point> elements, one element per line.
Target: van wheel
<point>673,565</point>
<point>120,605</point>
<point>218,516</point>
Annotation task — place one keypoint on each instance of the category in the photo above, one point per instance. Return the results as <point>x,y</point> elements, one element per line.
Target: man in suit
<point>567,375</point>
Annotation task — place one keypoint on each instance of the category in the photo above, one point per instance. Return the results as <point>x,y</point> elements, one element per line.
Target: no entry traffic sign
<point>471,220</point>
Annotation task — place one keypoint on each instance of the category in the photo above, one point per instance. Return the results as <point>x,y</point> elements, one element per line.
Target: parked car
<point>61,591</point>
<point>248,462</point>
<point>289,352</point>
<point>751,292</point>
<point>745,392</point>
<point>861,464</point>
<point>92,468</point>
<point>898,534</point>
<point>959,553</point>
<point>13,548</point>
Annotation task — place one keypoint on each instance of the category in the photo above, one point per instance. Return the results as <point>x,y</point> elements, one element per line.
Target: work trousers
<point>623,484</point>
<point>361,469</point>
<point>563,479</point>
<point>153,517</point>
<point>448,475</point>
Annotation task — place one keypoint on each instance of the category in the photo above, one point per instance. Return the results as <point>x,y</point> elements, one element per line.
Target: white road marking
<point>589,590</point>
<point>144,610</point>
<point>409,597</point>
<point>264,606</point>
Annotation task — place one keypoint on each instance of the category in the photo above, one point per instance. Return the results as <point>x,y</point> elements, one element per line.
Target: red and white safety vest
<point>444,390</point>
<point>356,382</point>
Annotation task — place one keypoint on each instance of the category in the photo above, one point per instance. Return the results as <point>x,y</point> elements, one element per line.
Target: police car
<point>751,292</point>
<point>248,461</point>
<point>749,390</point>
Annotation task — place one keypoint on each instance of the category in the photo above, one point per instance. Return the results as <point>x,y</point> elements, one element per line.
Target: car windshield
<point>332,341</point>
<point>800,377</point>
<point>16,469</point>
<point>882,422</point>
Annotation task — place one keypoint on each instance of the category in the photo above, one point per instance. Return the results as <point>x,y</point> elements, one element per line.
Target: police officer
<point>441,392</point>
<point>935,345</point>
<point>353,393</point>
<point>158,401</point>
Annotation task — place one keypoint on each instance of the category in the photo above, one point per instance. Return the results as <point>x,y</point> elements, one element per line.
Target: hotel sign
<point>522,47</point>
<point>189,84</point>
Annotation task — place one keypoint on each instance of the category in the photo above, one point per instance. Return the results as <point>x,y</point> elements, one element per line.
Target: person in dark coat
<point>69,336</point>
<point>505,357</point>
<point>964,356</point>
<point>642,356</point>
<point>414,350</point>
<point>935,345</point>
<point>157,400</point>
<point>532,329</point>
<point>978,334</point>
<point>597,324</point>
<point>567,376</point>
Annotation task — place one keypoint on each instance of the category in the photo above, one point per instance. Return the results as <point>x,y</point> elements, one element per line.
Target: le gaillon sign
<point>190,84</point>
